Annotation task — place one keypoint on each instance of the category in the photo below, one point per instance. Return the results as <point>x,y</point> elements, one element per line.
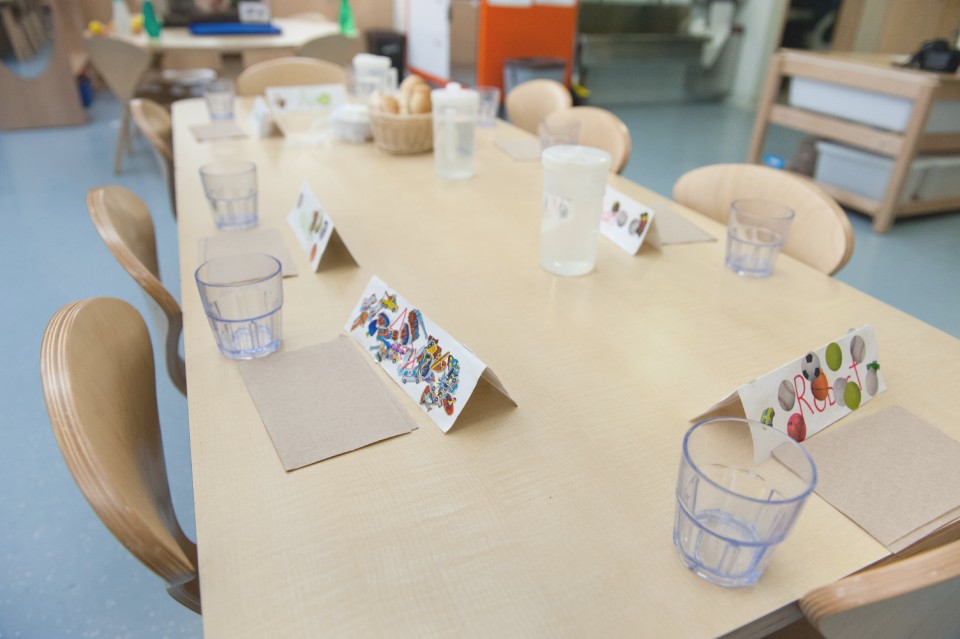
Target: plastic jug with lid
<point>454,122</point>
<point>372,73</point>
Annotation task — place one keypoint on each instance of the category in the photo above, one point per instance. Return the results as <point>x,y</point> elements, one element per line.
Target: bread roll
<point>375,102</point>
<point>390,104</point>
<point>420,102</point>
<point>411,81</point>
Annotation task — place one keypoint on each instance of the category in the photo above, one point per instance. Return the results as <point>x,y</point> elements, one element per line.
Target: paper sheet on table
<point>672,228</point>
<point>521,149</point>
<point>217,131</point>
<point>892,473</point>
<point>269,241</point>
<point>322,401</point>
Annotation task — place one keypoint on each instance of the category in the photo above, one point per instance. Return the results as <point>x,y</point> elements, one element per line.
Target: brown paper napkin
<point>217,131</point>
<point>322,401</point>
<point>268,241</point>
<point>892,473</point>
<point>672,228</point>
<point>521,149</point>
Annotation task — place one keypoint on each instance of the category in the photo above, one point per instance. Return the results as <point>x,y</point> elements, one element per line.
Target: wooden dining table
<point>551,517</point>
<point>294,33</point>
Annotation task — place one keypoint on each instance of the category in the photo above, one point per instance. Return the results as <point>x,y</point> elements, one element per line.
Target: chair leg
<point>123,141</point>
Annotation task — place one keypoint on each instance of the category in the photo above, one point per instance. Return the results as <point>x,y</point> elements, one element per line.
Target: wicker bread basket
<point>402,134</point>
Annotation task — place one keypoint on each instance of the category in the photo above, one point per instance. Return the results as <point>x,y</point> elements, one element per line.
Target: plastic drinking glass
<point>574,182</point>
<point>489,106</point>
<point>231,189</point>
<point>243,297</point>
<point>558,130</point>
<point>219,97</point>
<point>732,508</point>
<point>756,231</point>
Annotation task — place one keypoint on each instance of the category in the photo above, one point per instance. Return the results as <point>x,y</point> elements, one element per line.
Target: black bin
<point>391,44</point>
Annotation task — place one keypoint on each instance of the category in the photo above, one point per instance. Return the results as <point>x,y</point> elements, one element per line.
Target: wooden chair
<point>96,365</point>
<point>601,129</point>
<point>288,72</point>
<point>338,49</point>
<point>914,597</point>
<point>154,122</point>
<point>126,227</point>
<point>121,65</point>
<point>821,235</point>
<point>530,102</point>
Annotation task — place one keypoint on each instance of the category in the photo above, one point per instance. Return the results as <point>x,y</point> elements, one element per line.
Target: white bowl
<point>351,123</point>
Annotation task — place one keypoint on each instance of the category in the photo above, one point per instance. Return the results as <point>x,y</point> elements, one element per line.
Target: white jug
<point>455,112</point>
<point>372,73</point>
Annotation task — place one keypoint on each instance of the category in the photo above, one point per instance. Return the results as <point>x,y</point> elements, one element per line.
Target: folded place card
<point>217,131</point>
<point>322,401</point>
<point>673,228</point>
<point>434,370</point>
<point>314,97</point>
<point>268,241</point>
<point>261,120</point>
<point>807,395</point>
<point>521,149</point>
<point>314,228</point>
<point>625,221</point>
<point>892,473</point>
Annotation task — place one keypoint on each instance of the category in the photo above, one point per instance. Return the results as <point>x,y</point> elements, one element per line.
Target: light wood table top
<point>294,34</point>
<point>553,518</point>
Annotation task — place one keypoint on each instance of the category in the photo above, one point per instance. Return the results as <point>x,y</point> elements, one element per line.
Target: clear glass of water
<point>558,129</point>
<point>489,106</point>
<point>574,182</point>
<point>756,231</point>
<point>243,297</point>
<point>219,96</point>
<point>735,501</point>
<point>231,189</point>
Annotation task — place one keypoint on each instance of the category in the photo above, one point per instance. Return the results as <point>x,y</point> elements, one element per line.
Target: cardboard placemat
<point>322,401</point>
<point>217,131</point>
<point>269,241</point>
<point>520,149</point>
<point>892,473</point>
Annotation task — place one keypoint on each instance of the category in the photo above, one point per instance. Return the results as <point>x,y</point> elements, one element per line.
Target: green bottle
<point>347,26</point>
<point>150,23</point>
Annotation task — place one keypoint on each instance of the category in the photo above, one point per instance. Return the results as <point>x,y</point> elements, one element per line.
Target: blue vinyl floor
<point>61,572</point>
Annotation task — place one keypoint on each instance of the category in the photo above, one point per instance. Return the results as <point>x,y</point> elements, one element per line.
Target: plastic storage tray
<point>930,177</point>
<point>869,107</point>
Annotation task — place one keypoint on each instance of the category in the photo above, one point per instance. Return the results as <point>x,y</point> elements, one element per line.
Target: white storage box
<point>930,177</point>
<point>869,107</point>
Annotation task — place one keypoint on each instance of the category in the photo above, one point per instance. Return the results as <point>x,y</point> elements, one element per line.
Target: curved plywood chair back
<point>821,235</point>
<point>601,129</point>
<point>254,80</point>
<point>530,102</point>
<point>126,227</point>
<point>97,371</point>
<point>120,63</point>
<point>153,121</point>
<point>914,597</point>
<point>338,49</point>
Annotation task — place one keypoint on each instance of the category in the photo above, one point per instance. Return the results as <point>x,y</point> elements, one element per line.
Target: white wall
<point>761,20</point>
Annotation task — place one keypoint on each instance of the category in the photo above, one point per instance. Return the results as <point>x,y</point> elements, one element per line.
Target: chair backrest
<point>119,63</point>
<point>96,365</point>
<point>125,225</point>
<point>531,101</point>
<point>821,235</point>
<point>154,122</point>
<point>914,597</point>
<point>337,48</point>
<point>254,80</point>
<point>601,129</point>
